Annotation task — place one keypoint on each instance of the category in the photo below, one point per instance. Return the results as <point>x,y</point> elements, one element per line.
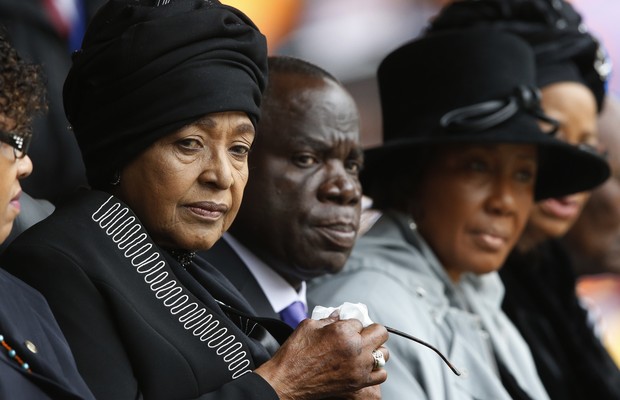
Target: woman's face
<point>473,202</point>
<point>594,239</point>
<point>186,188</point>
<point>11,171</point>
<point>574,106</point>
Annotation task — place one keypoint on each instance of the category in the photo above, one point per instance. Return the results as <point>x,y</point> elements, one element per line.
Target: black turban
<point>148,68</point>
<point>563,48</point>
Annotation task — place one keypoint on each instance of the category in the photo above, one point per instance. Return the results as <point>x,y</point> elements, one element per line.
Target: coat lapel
<point>226,260</point>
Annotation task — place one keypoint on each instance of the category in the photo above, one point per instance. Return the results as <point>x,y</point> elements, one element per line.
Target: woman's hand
<point>327,358</point>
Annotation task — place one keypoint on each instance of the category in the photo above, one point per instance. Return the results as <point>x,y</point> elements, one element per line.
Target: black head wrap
<point>563,48</point>
<point>148,68</point>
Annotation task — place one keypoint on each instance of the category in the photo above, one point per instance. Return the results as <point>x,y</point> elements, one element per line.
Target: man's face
<point>301,207</point>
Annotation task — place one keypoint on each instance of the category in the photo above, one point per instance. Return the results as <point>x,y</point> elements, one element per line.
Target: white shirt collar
<point>278,291</point>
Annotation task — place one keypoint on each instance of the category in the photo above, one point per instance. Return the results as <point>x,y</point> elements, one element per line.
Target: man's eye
<point>353,167</point>
<point>305,160</point>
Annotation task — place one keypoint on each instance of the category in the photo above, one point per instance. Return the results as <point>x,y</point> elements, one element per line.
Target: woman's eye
<point>305,160</point>
<point>477,166</point>
<point>525,175</point>
<point>190,144</point>
<point>240,150</point>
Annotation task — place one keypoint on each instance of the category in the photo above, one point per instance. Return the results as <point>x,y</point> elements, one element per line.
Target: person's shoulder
<point>397,262</point>
<point>49,233</point>
<point>12,286</point>
<point>64,241</point>
<point>393,241</point>
<point>23,306</point>
<point>386,287</point>
<point>67,222</point>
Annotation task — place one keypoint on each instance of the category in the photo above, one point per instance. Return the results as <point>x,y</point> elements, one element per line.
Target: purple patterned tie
<point>294,313</point>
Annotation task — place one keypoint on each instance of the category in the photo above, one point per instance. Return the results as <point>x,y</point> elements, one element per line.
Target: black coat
<point>226,260</point>
<point>139,324</point>
<point>25,316</point>
<point>542,302</point>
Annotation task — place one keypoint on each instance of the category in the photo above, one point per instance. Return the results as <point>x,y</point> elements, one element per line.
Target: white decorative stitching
<point>195,319</point>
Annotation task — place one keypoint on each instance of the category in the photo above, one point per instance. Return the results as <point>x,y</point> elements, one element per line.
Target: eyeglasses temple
<point>423,343</point>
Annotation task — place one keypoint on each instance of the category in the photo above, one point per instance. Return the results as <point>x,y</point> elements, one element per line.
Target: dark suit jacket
<point>25,316</point>
<point>226,260</point>
<point>139,324</point>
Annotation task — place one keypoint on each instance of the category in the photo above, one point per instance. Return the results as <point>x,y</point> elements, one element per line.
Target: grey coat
<point>395,273</point>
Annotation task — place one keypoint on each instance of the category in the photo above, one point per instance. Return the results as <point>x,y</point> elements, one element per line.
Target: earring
<point>116,178</point>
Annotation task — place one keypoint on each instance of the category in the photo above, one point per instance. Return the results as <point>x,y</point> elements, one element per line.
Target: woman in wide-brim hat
<point>466,151</point>
<point>541,300</point>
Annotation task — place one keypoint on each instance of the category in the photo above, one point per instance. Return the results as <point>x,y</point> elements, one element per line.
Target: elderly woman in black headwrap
<point>164,98</point>
<point>540,298</point>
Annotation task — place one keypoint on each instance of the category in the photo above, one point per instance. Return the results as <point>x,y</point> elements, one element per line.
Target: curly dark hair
<point>22,92</point>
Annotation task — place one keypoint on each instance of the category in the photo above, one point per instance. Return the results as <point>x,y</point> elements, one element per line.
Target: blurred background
<point>350,37</point>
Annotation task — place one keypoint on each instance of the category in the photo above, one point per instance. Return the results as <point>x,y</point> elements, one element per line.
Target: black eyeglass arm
<point>423,343</point>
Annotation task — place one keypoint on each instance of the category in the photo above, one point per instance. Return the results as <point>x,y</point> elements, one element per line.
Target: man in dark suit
<point>300,212</point>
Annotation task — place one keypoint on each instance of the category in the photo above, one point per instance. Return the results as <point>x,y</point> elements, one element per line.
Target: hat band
<point>486,115</point>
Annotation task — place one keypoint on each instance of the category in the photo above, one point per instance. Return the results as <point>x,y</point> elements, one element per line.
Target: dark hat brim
<point>488,100</point>
<point>563,169</point>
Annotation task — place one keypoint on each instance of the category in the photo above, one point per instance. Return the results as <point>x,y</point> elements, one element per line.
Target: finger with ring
<point>379,359</point>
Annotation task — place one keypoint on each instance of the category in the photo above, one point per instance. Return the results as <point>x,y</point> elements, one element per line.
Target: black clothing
<point>541,301</point>
<point>25,318</point>
<point>139,324</point>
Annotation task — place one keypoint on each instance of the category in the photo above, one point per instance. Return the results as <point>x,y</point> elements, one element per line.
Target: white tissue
<point>356,311</point>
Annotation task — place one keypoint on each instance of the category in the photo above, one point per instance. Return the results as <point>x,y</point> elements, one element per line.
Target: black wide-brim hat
<point>473,87</point>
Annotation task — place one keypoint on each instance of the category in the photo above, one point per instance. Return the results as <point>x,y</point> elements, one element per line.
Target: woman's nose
<point>217,170</point>
<point>24,167</point>
<point>502,198</point>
